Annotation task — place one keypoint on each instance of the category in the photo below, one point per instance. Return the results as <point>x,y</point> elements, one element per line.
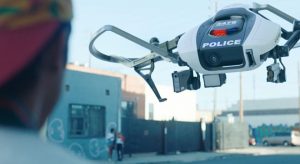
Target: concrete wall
<point>133,87</point>
<point>267,111</point>
<point>258,120</point>
<point>232,135</point>
<point>90,89</point>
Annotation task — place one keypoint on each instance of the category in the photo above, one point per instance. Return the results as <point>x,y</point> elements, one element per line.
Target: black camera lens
<point>213,59</point>
<point>270,75</point>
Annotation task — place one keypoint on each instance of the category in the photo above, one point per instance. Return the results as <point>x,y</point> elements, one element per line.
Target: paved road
<point>242,159</point>
<point>180,158</point>
<point>251,155</point>
<point>270,150</point>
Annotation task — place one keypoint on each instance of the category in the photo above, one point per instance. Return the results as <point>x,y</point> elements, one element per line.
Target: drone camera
<point>185,80</point>
<point>275,74</point>
<point>215,80</point>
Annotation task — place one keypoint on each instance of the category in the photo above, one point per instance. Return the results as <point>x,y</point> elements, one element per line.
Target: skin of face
<point>48,88</point>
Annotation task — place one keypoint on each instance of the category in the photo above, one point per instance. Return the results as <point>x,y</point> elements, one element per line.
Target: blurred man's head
<point>33,51</point>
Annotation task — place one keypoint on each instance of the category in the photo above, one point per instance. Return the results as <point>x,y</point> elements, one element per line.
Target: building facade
<point>88,108</point>
<point>92,102</point>
<point>133,90</point>
<point>283,111</point>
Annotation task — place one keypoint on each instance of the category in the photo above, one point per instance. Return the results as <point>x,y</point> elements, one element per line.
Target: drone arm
<point>259,7</point>
<point>291,43</point>
<point>158,53</point>
<point>291,37</point>
<point>172,44</point>
<point>147,77</point>
<point>130,62</point>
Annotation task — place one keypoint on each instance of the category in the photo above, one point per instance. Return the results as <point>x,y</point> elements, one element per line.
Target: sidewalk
<point>153,158</point>
<point>258,150</point>
<point>176,158</point>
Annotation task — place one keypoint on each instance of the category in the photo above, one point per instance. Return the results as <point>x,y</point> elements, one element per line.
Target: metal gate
<point>163,137</point>
<point>142,136</point>
<point>183,136</point>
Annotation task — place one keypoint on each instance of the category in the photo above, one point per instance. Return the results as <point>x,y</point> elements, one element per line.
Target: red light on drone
<point>219,32</point>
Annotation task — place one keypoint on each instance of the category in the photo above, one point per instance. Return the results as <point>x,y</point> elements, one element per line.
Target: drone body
<point>236,39</point>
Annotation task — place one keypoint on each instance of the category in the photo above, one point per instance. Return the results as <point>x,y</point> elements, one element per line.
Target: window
<point>107,92</point>
<point>282,134</point>
<point>67,87</point>
<point>77,126</point>
<point>128,109</point>
<point>86,121</point>
<point>96,122</point>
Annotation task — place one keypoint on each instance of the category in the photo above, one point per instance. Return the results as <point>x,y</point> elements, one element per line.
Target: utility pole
<point>254,87</point>
<point>241,99</point>
<point>215,89</point>
<point>90,55</point>
<point>90,64</point>
<point>299,90</point>
<point>216,6</point>
<point>215,102</point>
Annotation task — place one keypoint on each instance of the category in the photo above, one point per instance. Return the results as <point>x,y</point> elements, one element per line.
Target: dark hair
<point>28,77</point>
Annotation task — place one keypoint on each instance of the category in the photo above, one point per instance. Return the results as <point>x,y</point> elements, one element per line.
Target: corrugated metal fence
<point>165,137</point>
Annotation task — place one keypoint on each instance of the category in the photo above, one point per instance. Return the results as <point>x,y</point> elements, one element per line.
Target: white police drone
<point>238,38</point>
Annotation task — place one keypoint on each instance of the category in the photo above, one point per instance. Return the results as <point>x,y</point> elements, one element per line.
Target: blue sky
<point>165,20</point>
